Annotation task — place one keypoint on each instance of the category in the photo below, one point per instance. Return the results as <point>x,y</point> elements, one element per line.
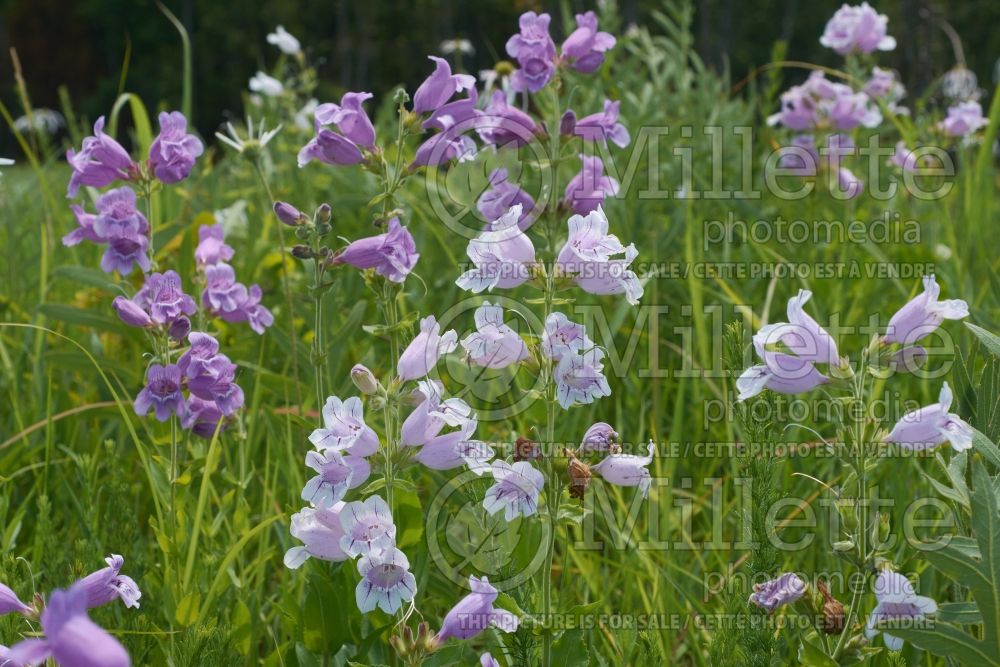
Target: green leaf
<point>941,639</point>
<point>959,613</point>
<point>95,319</point>
<point>990,341</point>
<point>187,610</point>
<point>811,653</point>
<point>986,448</point>
<point>85,275</point>
<point>571,513</point>
<point>571,650</point>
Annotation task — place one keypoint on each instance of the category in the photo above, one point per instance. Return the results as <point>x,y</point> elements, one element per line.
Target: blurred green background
<point>97,47</point>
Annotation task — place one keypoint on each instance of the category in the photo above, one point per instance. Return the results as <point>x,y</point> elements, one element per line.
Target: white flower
<point>285,41</point>
<point>449,46</point>
<point>266,85</point>
<point>386,581</point>
<point>304,116</point>
<point>256,137</point>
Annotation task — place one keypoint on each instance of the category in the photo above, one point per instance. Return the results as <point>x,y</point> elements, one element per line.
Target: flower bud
<point>364,380</point>
<point>832,621</point>
<point>131,313</point>
<point>179,329</point>
<point>400,96</point>
<point>324,213</point>
<point>288,214</point>
<point>302,252</point>
<point>567,123</point>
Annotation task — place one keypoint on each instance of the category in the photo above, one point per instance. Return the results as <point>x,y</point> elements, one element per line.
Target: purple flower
<point>203,348</point>
<point>162,393</point>
<point>858,29</point>
<point>202,417</point>
<point>320,530</point>
<point>500,124</point>
<point>819,103</point>
<point>101,161</point>
<point>162,297</point>
<point>386,581</point>
<point>179,329</point>
<point>534,51</point>
<point>580,379</point>
<point>475,612</point>
<point>84,230</point>
<point>585,46</point>
<point>494,344</point>
<point>587,190</point>
<point>215,380</point>
<point>392,254</point>
<point>212,247</point>
<point>107,585</point>
<point>802,335</point>
<point>931,425</point>
<point>10,603</point>
<point>603,126</point>
<point>131,313</point>
<point>431,415</point>
<point>780,372</point>
<point>355,129</point>
<point>515,490</point>
<point>627,469</point>
<point>501,196</point>
<point>922,314</point>
<point>440,86</point>
<point>963,119</point>
<point>896,600</point>
<point>883,84</point>
<point>848,183</point>
<point>288,214</point>
<point>457,449</point>
<point>444,147</point>
<point>487,660</point>
<point>368,527</point>
<point>904,158</point>
<point>71,638</point>
<point>174,151</point>
<point>598,438</point>
<point>503,256</point>
<point>801,158</point>
<point>344,428</point>
<point>775,593</point>
<point>251,311</point>
<point>222,293</point>
<point>562,337</point>
<point>422,354</point>
<point>338,473</point>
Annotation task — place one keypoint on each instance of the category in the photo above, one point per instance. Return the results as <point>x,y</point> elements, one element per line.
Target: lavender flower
<point>162,393</point>
<point>222,293</point>
<point>515,490</point>
<point>587,256</point>
<point>364,380</point>
<point>422,354</point>
<point>215,380</point>
<point>338,473</point>
<point>534,51</point>
<point>475,612</point>
<point>585,46</point>
<point>587,190</point>
<point>84,228</point>
<point>288,214</point>
<point>444,147</point>
<point>10,603</point>
<point>101,161</point>
<point>802,335</point>
<point>494,344</point>
<point>368,527</point>
<point>440,86</point>
<point>457,449</point>
<point>598,438</point>
<point>71,638</point>
<point>923,314</point>
<point>775,593</point>
<point>848,183</point>
<point>781,373</point>
<point>355,131</point>
<point>251,311</point>
<point>963,119</point>
<point>501,124</point>
<point>580,379</point>
<point>857,29</point>
<point>162,297</point>
<point>931,425</point>
<point>386,581</point>
<point>174,151</point>
<point>344,428</point>
<point>392,254</point>
<point>120,226</point>
<point>107,584</point>
<point>320,530</point>
<point>503,256</point>
<point>202,417</point>
<point>485,660</point>
<point>896,600</point>
<point>561,337</point>
<point>904,158</point>
<point>501,196</point>
<point>212,247</point>
<point>627,470</point>
<point>820,104</point>
<point>131,313</point>
<point>604,126</point>
<point>431,415</point>
<point>800,158</point>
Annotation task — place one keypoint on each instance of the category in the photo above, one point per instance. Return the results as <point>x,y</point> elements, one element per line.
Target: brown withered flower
<point>526,450</point>
<point>833,619</point>
<point>579,477</point>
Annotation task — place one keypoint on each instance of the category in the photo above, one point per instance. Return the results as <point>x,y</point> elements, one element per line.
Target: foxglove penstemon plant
<point>438,431</point>
<point>791,352</point>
